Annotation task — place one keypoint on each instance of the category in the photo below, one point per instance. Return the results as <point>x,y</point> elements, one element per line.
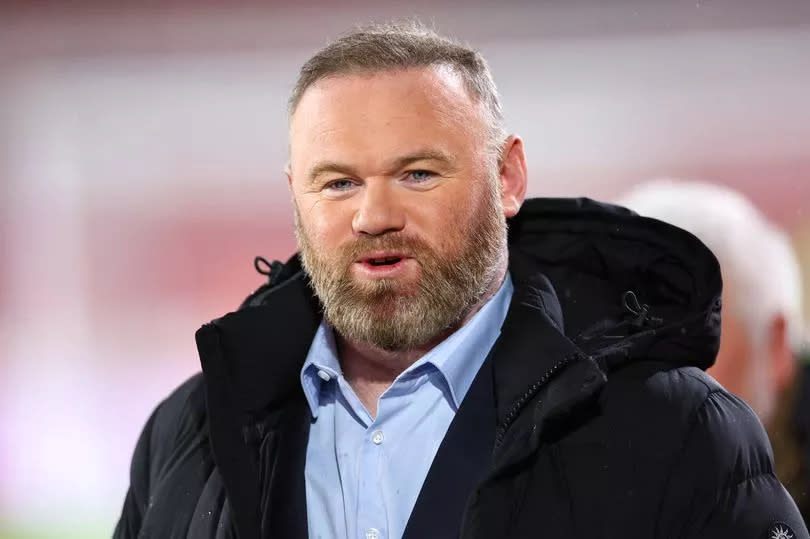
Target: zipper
<point>510,418</point>
<point>527,396</point>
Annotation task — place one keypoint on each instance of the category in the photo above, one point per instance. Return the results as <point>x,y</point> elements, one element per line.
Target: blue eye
<point>340,185</point>
<point>421,175</point>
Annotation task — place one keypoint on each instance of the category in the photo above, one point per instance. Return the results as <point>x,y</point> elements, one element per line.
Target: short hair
<point>404,45</point>
<point>754,254</point>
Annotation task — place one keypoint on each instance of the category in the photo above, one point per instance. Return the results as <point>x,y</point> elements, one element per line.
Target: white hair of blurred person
<point>762,297</point>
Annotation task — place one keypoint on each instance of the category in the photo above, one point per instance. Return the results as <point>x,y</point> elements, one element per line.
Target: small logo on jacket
<point>780,530</point>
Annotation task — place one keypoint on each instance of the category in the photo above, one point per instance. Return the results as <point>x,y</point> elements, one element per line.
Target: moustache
<point>406,245</point>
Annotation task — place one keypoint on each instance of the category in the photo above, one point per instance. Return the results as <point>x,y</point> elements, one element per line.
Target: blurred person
<point>443,358</point>
<point>762,324</point>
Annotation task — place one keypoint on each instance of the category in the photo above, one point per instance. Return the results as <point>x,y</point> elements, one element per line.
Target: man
<point>438,383</point>
<point>762,328</point>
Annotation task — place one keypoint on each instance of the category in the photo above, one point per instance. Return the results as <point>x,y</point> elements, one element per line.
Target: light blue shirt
<point>363,474</point>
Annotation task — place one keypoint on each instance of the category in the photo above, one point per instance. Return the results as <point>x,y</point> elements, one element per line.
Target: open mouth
<point>386,261</point>
<point>384,264</point>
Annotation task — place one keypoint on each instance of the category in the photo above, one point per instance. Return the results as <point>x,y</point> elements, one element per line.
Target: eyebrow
<point>397,164</point>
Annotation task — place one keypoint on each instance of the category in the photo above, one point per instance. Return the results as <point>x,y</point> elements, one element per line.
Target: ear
<point>288,173</point>
<point>513,175</point>
<point>782,362</point>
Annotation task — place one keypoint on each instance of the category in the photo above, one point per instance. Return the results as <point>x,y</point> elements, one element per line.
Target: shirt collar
<point>320,366</point>
<point>458,358</point>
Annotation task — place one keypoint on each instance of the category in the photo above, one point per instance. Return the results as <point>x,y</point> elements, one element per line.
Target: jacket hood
<point>628,286</point>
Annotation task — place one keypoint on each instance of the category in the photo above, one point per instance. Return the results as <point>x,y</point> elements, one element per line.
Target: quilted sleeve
<point>723,485</point>
<point>171,421</point>
<point>137,497</point>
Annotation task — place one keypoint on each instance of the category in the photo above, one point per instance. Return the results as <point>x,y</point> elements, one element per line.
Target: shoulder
<point>726,441</point>
<point>175,426</point>
<point>685,413</point>
<point>670,449</point>
<point>654,391</point>
<point>187,399</point>
<point>709,452</point>
<point>178,419</point>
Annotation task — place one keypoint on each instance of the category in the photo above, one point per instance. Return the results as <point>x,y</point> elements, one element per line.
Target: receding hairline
<point>445,74</point>
<point>396,45</point>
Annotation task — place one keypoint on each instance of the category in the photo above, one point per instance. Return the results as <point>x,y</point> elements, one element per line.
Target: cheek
<point>326,223</point>
<point>445,221</point>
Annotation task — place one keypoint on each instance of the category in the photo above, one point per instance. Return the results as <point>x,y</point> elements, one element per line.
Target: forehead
<point>382,111</point>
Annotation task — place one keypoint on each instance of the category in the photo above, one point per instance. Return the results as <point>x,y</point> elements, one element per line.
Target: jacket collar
<point>258,418</point>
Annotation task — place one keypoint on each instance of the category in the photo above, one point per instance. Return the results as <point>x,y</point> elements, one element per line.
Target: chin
<point>396,286</point>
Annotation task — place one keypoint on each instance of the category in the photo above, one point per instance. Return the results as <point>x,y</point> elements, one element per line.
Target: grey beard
<point>394,316</point>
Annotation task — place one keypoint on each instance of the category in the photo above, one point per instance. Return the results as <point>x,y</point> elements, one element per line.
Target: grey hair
<point>754,255</point>
<point>405,45</point>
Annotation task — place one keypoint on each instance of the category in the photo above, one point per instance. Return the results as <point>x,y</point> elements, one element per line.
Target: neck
<point>370,370</point>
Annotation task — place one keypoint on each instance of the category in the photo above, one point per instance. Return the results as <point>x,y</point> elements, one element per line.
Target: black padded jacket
<point>591,417</point>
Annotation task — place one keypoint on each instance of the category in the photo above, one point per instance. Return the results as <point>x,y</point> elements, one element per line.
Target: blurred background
<point>141,157</point>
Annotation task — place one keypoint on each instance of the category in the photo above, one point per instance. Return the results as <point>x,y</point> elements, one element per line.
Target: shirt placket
<point>372,522</point>
<point>371,519</point>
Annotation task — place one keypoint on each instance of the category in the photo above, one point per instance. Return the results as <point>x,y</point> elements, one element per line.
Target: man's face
<point>397,203</point>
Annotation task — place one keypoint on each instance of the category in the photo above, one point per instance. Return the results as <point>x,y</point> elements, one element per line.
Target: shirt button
<point>377,438</point>
<point>373,533</point>
<point>323,375</point>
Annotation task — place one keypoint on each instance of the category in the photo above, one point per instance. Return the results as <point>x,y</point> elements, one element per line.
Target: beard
<point>399,314</point>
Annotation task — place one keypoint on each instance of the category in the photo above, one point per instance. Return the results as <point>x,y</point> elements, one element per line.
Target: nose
<point>380,211</point>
